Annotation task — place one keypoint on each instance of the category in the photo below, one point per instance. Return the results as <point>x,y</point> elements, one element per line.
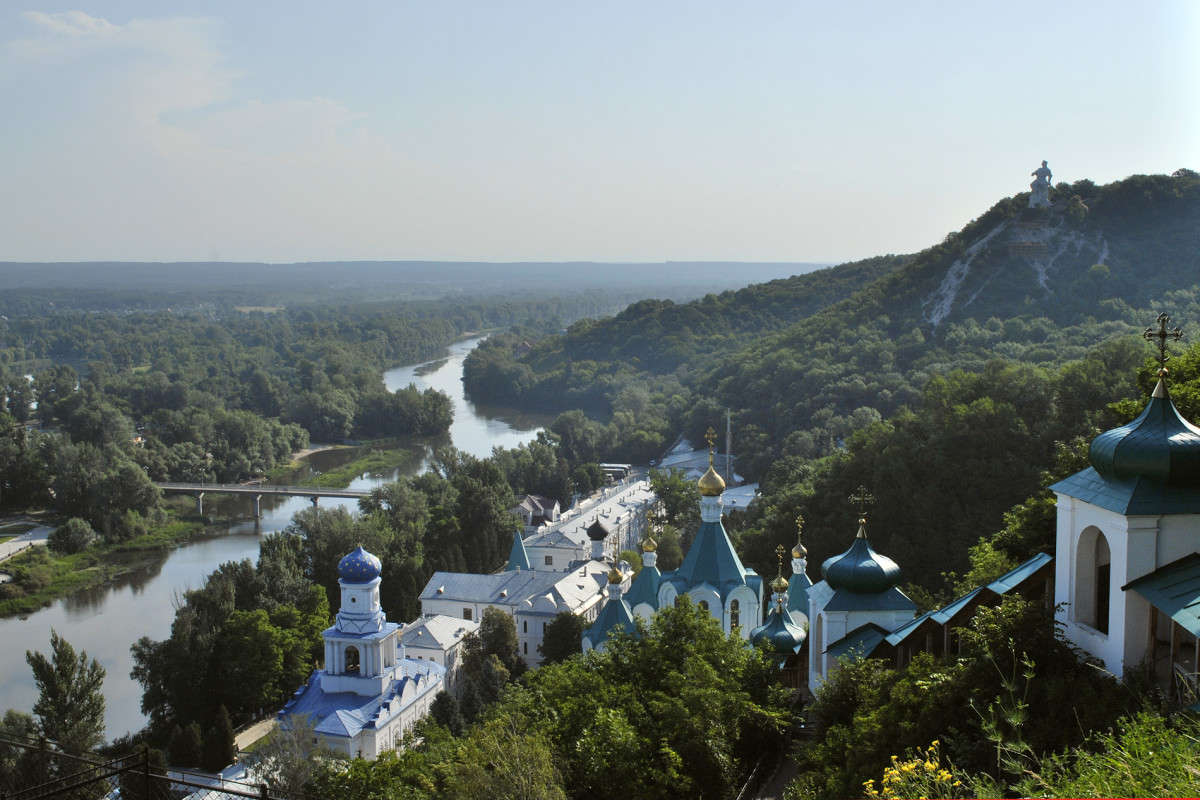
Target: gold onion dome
<point>615,576</point>
<point>711,484</point>
<point>799,551</point>
<point>780,584</point>
<point>649,545</point>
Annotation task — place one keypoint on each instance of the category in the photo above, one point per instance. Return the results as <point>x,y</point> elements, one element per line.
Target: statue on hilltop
<point>1039,194</point>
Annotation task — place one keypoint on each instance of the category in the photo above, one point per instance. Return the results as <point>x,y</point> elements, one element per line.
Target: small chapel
<point>369,695</point>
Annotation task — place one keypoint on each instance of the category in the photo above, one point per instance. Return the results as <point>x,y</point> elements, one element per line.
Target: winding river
<point>106,620</point>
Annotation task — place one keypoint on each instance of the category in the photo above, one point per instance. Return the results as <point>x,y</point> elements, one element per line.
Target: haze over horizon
<point>566,132</point>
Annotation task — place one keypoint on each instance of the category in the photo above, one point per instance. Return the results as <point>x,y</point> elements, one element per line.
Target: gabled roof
<point>519,588</point>
<point>644,588</point>
<point>615,615</point>
<point>1018,575</point>
<point>1174,589</point>
<point>439,632</point>
<point>797,592</point>
<point>517,557</point>
<point>1131,497</point>
<point>948,612</point>
<point>711,559</point>
<point>346,714</point>
<point>908,629</point>
<point>861,641</point>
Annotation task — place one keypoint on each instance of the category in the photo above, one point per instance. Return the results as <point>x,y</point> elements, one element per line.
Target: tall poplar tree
<point>70,704</point>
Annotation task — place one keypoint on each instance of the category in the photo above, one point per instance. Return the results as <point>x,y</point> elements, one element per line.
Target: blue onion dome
<point>860,569</point>
<point>359,567</point>
<point>780,633</point>
<point>1160,445</point>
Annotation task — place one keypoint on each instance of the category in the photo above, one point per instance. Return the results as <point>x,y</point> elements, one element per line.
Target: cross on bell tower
<point>1162,335</point>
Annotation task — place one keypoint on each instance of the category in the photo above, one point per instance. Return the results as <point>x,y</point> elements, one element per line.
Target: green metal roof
<point>1018,575</point>
<point>860,642</point>
<point>615,614</point>
<point>1160,444</point>
<point>711,559</point>
<point>1131,497</point>
<point>1174,589</point>
<point>797,593</point>
<point>908,629</point>
<point>780,632</point>
<point>891,600</point>
<point>517,557</point>
<point>644,588</point>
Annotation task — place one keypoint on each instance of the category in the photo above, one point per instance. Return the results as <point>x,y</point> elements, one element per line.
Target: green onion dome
<point>780,632</point>
<point>1160,445</point>
<point>359,567</point>
<point>860,569</point>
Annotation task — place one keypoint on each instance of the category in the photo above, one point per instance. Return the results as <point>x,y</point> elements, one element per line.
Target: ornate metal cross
<point>799,525</point>
<point>1162,334</point>
<point>710,436</point>
<point>779,553</point>
<point>861,499</point>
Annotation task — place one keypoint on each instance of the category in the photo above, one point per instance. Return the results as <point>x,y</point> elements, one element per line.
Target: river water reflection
<point>106,620</point>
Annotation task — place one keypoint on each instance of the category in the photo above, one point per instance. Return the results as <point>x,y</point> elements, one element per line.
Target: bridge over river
<point>256,490</point>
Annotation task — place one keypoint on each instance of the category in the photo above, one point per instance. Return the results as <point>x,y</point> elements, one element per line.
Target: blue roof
<point>345,714</point>
<point>860,642</point>
<point>359,566</point>
<point>907,629</point>
<point>1137,496</point>
<point>946,613</point>
<point>517,557</point>
<point>891,600</point>
<point>781,633</point>
<point>711,559</point>
<point>614,615</point>
<point>797,592</point>
<point>1174,589</point>
<point>644,588</point>
<point>1018,575</point>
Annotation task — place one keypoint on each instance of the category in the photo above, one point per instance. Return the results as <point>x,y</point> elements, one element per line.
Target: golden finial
<point>649,545</point>
<point>711,484</point>
<point>615,576</point>
<point>780,583</point>
<point>799,551</point>
<point>1162,334</point>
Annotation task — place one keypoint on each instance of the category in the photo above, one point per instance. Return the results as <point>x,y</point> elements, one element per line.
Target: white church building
<point>369,695</point>
<point>1127,582</point>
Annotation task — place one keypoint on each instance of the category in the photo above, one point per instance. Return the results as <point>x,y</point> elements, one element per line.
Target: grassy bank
<point>376,460</point>
<point>41,576</point>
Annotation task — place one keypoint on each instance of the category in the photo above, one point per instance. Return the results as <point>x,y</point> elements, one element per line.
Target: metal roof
<point>517,557</point>
<point>1131,497</point>
<point>645,588</point>
<point>1174,589</point>
<point>1015,577</point>
<point>519,587</point>
<point>345,714</point>
<point>711,559</point>
<point>861,641</point>
<point>438,632</point>
<point>891,600</point>
<point>615,614</point>
<point>907,629</point>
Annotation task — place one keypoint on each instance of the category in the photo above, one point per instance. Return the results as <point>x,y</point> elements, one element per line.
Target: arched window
<point>351,660</point>
<point>735,616</point>
<point>1093,579</point>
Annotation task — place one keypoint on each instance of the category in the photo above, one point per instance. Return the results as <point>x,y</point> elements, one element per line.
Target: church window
<point>1093,579</point>
<point>549,561</point>
<point>353,599</point>
<point>525,647</point>
<point>735,621</point>
<point>351,660</point>
<point>525,626</point>
<point>467,614</point>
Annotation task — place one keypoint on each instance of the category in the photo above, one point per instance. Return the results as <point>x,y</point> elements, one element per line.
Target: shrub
<point>74,536</point>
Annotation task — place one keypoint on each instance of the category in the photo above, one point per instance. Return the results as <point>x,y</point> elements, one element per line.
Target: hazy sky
<point>782,131</point>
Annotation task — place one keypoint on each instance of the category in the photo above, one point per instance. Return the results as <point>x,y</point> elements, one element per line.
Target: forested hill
<point>1032,285</point>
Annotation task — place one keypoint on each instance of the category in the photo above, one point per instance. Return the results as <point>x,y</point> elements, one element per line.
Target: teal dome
<point>359,567</point>
<point>1159,445</point>
<point>780,633</point>
<point>860,569</point>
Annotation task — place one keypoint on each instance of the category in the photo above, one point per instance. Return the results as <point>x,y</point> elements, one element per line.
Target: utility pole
<point>728,447</point>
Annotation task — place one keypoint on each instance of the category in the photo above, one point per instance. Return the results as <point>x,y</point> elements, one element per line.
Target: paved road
<point>254,733</point>
<point>33,538</point>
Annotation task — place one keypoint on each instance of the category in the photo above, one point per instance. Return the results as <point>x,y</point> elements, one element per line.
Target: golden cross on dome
<point>861,498</point>
<point>799,524</point>
<point>1162,334</point>
<point>710,436</point>
<point>779,553</point>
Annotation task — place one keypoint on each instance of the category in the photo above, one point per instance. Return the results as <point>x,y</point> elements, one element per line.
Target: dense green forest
<point>1028,285</point>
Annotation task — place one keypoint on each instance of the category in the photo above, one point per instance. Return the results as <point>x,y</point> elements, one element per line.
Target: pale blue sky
<point>773,131</point>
